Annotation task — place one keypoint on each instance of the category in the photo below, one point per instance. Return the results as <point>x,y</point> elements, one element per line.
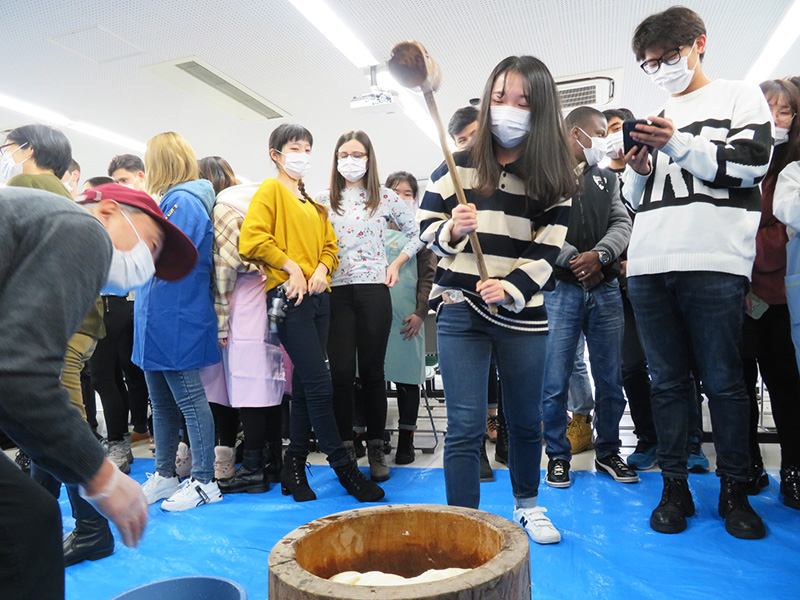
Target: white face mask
<point>781,135</point>
<point>131,269</point>
<point>8,166</point>
<point>614,143</point>
<point>297,164</point>
<point>596,152</point>
<point>352,168</point>
<point>510,125</point>
<point>675,78</point>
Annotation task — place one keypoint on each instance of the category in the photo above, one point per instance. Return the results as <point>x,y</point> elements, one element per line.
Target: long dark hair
<point>547,164</point>
<point>790,151</point>
<point>218,171</point>
<point>290,132</point>
<point>338,182</point>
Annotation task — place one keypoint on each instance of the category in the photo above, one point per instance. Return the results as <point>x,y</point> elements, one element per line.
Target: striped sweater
<point>520,249</point>
<point>699,208</point>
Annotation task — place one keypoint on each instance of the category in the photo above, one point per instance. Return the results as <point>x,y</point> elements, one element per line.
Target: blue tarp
<point>608,549</point>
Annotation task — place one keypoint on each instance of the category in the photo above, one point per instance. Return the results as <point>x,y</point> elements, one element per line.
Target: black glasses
<point>668,58</point>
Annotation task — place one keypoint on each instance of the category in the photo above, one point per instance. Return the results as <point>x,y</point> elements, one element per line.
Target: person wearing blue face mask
<point>691,255</point>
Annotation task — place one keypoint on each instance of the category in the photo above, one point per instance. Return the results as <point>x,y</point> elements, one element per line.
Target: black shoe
<point>790,486</point>
<point>613,465</point>
<point>23,461</point>
<point>405,448</point>
<point>741,521</point>
<point>90,540</point>
<point>757,478</point>
<point>558,473</point>
<point>274,466</point>
<point>501,449</point>
<point>293,479</point>
<point>359,445</point>
<point>357,484</point>
<point>486,469</point>
<point>250,477</point>
<point>676,504</point>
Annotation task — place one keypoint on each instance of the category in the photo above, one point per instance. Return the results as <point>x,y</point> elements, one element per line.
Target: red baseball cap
<point>178,255</point>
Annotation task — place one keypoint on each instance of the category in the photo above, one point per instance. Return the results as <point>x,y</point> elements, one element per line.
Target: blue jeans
<point>465,343</point>
<point>580,398</point>
<point>685,316</point>
<point>173,393</point>
<point>598,314</point>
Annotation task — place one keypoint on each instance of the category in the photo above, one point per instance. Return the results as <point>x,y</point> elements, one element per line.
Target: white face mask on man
<point>675,78</point>
<point>596,151</point>
<point>352,168</point>
<point>8,166</point>
<point>510,125</point>
<point>614,143</point>
<point>129,269</point>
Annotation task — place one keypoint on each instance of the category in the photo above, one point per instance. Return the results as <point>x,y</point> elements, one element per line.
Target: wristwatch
<point>604,257</point>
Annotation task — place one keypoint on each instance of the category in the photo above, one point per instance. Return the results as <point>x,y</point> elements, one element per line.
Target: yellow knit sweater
<point>279,226</point>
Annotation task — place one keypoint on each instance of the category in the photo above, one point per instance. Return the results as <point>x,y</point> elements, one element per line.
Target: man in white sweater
<point>691,254</point>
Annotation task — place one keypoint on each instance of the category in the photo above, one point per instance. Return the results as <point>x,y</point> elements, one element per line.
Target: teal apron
<point>405,359</point>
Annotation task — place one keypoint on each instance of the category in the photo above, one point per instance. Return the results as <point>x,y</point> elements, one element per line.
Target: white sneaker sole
<point>554,484</point>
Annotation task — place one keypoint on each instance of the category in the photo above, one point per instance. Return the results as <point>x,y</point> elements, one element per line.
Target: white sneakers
<point>536,525</point>
<point>191,494</point>
<point>158,488</point>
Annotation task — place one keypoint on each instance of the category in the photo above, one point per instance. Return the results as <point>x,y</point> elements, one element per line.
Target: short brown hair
<point>677,26</point>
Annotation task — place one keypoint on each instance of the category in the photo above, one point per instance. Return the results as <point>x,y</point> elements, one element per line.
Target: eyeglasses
<point>782,114</point>
<point>359,155</point>
<point>668,58</point>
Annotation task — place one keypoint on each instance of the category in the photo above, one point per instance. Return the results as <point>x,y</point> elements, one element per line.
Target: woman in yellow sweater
<point>291,236</point>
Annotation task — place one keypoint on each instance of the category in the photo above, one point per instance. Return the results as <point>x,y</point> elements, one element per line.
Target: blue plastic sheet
<point>607,550</point>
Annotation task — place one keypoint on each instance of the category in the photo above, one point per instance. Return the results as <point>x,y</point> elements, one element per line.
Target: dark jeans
<point>697,314</point>
<point>81,509</point>
<point>636,378</point>
<point>466,341</point>
<point>768,342</point>
<point>111,358</point>
<point>304,335</point>
<point>407,405</point>
<point>31,555</point>
<point>361,319</point>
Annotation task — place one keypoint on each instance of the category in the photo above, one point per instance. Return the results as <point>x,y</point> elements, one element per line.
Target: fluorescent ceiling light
<point>332,27</point>
<point>49,116</point>
<point>777,46</point>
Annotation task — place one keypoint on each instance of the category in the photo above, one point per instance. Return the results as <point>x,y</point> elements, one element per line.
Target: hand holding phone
<point>627,141</point>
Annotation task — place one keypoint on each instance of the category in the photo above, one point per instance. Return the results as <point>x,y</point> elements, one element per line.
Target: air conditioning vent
<point>591,89</point>
<point>203,80</point>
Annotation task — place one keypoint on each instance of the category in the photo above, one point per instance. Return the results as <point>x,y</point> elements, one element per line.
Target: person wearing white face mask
<point>361,308</point>
<point>691,254</point>
<point>127,170</point>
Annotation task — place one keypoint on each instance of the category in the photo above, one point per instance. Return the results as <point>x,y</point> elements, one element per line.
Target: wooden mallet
<point>412,67</point>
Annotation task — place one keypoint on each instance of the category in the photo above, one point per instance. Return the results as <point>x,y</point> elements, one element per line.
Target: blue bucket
<point>187,588</point>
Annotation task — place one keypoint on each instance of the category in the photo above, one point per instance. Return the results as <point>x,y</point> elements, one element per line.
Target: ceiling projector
<point>377,101</point>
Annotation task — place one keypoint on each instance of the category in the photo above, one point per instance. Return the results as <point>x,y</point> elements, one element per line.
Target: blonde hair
<point>168,161</point>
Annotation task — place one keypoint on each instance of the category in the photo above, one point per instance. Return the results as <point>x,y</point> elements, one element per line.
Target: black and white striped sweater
<point>519,249</point>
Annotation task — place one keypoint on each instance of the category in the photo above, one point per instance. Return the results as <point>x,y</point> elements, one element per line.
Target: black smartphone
<point>627,141</point>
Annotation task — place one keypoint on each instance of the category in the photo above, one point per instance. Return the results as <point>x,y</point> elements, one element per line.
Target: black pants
<point>636,379</point>
<point>226,424</point>
<point>407,405</point>
<point>81,509</point>
<point>767,342</point>
<point>304,335</point>
<point>361,319</point>
<point>111,358</point>
<point>31,555</point>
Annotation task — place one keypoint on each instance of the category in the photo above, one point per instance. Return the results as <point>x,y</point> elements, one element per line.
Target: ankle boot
<point>405,447</point>
<point>757,478</point>
<point>293,479</point>
<point>486,468</point>
<point>501,449</point>
<point>378,471</point>
<point>349,445</point>
<point>676,504</point>
<point>90,540</point>
<point>790,486</point>
<point>250,477</point>
<point>356,484</point>
<point>359,445</point>
<point>741,521</point>
<point>274,461</point>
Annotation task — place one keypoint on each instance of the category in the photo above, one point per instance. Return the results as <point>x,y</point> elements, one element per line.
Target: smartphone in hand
<point>627,141</point>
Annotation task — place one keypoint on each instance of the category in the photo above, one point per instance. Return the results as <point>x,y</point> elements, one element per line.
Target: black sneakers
<point>613,465</point>
<point>741,521</point>
<point>790,486</point>
<point>558,473</point>
<point>676,504</point>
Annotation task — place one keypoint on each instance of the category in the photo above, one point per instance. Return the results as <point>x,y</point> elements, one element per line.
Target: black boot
<point>405,447</point>
<point>90,540</point>
<point>790,486</point>
<point>359,445</point>
<point>741,521</point>
<point>250,477</point>
<point>501,449</point>
<point>357,484</point>
<point>293,479</point>
<point>274,461</point>
<point>676,504</point>
<point>486,469</point>
<point>757,478</point>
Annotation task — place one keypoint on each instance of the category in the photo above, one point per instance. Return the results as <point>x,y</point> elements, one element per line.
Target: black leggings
<point>111,358</point>
<point>407,405</point>
<point>361,318</point>
<point>768,342</point>
<point>261,425</point>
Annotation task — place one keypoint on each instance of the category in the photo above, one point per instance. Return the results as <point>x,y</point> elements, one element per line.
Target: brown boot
<point>579,433</point>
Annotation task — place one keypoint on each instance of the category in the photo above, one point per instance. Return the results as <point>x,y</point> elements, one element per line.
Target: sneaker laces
<point>492,423</point>
<point>558,469</point>
<point>618,463</point>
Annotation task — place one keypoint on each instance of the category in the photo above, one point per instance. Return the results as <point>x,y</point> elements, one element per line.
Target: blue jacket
<point>175,326</point>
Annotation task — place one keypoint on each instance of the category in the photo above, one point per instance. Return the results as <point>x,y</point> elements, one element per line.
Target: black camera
<point>277,312</point>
